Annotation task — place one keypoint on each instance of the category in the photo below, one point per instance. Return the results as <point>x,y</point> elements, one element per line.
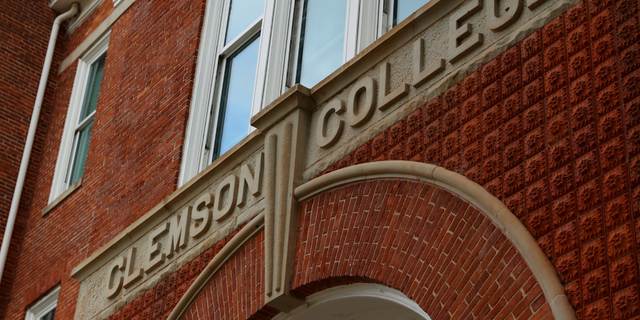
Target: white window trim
<point>351,30</point>
<point>273,26</point>
<point>385,12</point>
<point>42,307</point>
<point>65,153</point>
<point>222,54</point>
<point>280,29</point>
<point>361,29</point>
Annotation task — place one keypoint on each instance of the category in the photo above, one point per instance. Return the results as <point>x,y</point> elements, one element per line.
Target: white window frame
<point>362,27</point>
<point>67,144</point>
<point>386,12</point>
<point>223,53</point>
<point>280,28</point>
<point>273,26</point>
<point>44,306</point>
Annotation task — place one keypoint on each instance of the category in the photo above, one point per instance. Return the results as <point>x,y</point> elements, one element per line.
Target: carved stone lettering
<point>328,133</point>
<point>532,4</point>
<point>155,256</point>
<point>192,222</point>
<point>364,87</point>
<point>386,98</point>
<point>223,208</point>
<point>131,273</point>
<point>178,229</point>
<point>421,76</point>
<point>114,283</point>
<point>461,37</point>
<point>499,21</point>
<point>201,215</point>
<point>251,180</point>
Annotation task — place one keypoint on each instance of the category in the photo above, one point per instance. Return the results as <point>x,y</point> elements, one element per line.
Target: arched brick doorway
<point>433,235</point>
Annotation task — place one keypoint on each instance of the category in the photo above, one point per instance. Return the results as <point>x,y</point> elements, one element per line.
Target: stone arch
<point>359,301</point>
<point>373,180</point>
<point>502,260</point>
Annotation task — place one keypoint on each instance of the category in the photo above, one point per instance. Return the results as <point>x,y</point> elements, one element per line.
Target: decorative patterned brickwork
<point>569,165</point>
<point>420,239</point>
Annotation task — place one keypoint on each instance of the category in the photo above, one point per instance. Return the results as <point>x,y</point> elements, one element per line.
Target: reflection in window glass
<point>322,40</point>
<point>85,123</point>
<point>404,8</point>
<point>241,14</point>
<point>93,87</point>
<point>237,95</point>
<point>82,149</point>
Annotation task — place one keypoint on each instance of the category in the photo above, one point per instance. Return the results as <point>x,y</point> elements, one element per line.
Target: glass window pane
<point>49,315</point>
<point>93,87</point>
<point>404,8</point>
<point>80,157</point>
<point>241,14</point>
<point>237,96</point>
<point>322,39</point>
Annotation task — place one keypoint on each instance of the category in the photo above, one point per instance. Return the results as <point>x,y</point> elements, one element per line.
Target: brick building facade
<point>481,172</point>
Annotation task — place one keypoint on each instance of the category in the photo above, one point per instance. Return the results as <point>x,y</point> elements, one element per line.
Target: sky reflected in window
<point>241,14</point>
<point>235,110</point>
<point>323,39</point>
<point>405,8</point>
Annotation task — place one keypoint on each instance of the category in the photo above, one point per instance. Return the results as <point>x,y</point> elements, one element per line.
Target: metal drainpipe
<point>26,155</point>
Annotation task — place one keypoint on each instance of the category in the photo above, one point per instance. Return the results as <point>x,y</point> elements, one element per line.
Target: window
<point>45,309</point>
<point>334,31</point>
<point>233,80</point>
<point>327,37</point>
<point>238,63</point>
<point>82,133</point>
<point>74,146</point>
<point>257,49</point>
<point>322,40</point>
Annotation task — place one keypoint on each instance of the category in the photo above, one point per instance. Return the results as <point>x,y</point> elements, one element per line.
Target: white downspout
<point>26,155</point>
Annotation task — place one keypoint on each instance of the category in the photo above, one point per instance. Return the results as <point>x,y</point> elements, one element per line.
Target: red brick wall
<point>158,302</point>
<point>90,23</point>
<point>25,27</point>
<point>484,274</point>
<point>551,127</point>
<point>135,151</point>
<point>420,239</point>
<point>236,291</point>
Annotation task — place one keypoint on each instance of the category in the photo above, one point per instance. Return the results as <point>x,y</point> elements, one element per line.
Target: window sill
<point>61,198</point>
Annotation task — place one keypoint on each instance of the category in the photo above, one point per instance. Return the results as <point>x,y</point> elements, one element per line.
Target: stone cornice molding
<point>488,204</point>
<point>168,206</point>
<point>297,97</point>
